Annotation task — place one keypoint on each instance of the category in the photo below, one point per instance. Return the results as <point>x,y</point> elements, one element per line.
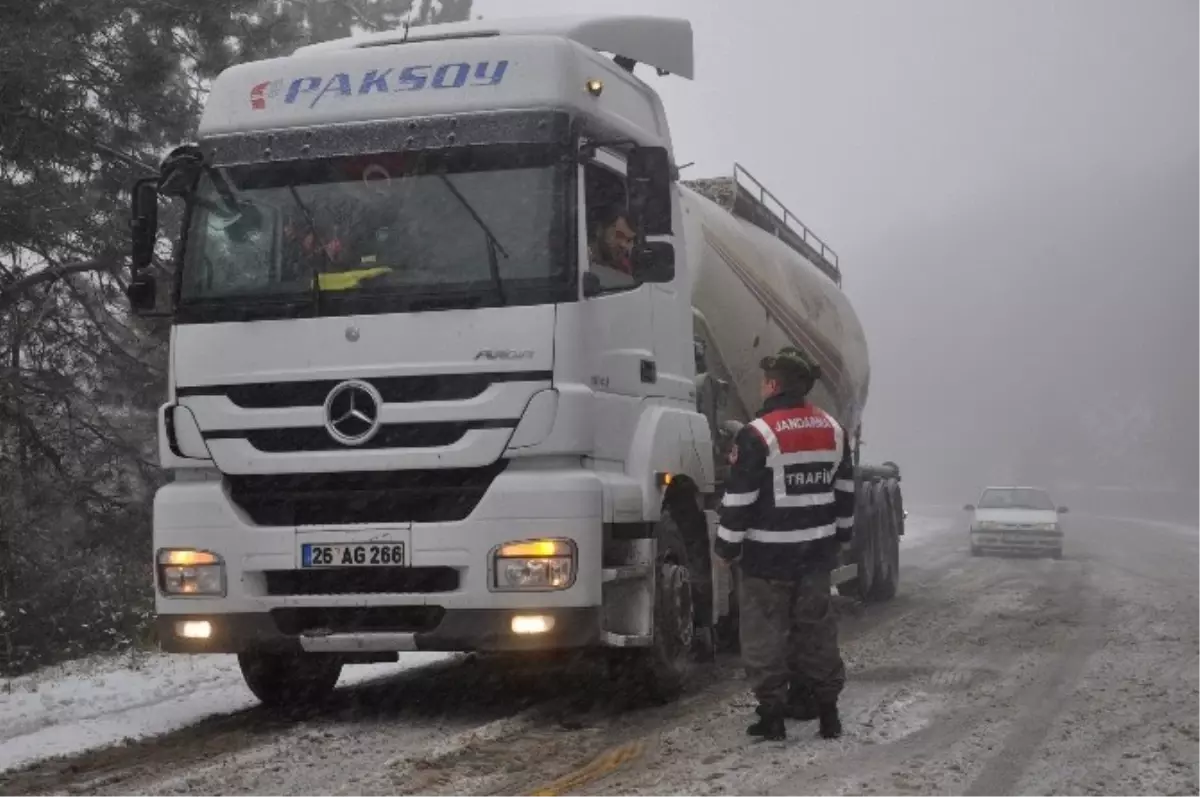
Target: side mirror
<point>143,294</point>
<point>648,177</point>
<point>969,507</point>
<point>591,285</point>
<point>1062,510</point>
<point>654,262</point>
<point>143,224</point>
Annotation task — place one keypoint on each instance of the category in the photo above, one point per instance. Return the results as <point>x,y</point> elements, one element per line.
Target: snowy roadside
<point>102,700</point>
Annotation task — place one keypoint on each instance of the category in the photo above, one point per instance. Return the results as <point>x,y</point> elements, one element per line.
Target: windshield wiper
<point>493,245</point>
<point>312,227</point>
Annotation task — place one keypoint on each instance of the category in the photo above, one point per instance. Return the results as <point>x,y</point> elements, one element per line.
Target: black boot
<point>831,723</point>
<point>801,705</point>
<point>769,727</point>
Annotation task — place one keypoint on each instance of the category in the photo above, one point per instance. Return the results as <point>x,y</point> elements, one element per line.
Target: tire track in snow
<point>1041,703</point>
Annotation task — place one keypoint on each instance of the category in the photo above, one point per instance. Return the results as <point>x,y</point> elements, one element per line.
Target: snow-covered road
<point>103,700</point>
<point>985,675</point>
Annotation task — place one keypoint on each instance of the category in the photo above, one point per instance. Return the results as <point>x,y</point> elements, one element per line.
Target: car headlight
<point>1047,527</point>
<point>986,525</point>
<point>186,572</point>
<point>533,565</point>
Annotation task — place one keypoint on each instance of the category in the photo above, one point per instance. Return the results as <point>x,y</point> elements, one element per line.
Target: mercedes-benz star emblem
<point>352,411</point>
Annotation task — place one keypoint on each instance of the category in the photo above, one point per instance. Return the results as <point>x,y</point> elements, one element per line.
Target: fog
<point>1012,189</point>
<point>1047,338</point>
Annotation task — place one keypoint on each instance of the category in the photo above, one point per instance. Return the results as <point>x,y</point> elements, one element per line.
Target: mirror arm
<point>588,150</point>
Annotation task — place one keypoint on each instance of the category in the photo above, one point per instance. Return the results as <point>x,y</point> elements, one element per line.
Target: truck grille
<point>393,389</point>
<point>396,435</point>
<point>362,581</point>
<point>356,619</point>
<point>417,496</point>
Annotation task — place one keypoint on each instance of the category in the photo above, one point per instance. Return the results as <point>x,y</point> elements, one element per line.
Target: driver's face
<point>619,237</point>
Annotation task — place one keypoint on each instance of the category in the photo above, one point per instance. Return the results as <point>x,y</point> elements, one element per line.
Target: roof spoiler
<point>664,43</point>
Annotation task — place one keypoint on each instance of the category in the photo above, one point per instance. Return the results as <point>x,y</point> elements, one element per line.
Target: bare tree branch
<point>11,293</point>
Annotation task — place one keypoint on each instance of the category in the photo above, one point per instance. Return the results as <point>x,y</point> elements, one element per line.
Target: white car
<point>1016,519</point>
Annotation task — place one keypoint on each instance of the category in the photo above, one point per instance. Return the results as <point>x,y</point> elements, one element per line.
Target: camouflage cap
<point>791,360</point>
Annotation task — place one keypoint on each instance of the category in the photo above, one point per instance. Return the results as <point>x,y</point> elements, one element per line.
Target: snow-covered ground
<point>987,675</point>
<point>102,700</point>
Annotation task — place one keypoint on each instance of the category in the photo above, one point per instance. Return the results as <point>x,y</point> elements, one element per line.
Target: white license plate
<point>372,554</point>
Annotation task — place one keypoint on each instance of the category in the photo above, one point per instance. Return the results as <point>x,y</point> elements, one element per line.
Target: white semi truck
<point>407,410</point>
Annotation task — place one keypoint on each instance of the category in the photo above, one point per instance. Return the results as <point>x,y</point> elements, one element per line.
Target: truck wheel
<point>661,671</point>
<point>865,520</point>
<point>887,551</point>
<point>897,502</point>
<point>286,680</point>
<point>689,518</point>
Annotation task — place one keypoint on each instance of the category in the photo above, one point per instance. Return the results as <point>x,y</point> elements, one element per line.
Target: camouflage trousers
<point>789,638</point>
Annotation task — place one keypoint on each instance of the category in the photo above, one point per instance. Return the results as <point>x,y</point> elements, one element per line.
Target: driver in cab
<point>611,242</point>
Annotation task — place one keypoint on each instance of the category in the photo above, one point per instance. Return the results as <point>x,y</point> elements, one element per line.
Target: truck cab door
<point>617,310</point>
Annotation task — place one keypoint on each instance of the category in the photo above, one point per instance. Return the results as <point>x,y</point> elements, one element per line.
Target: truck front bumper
<point>443,599</point>
<point>488,630</point>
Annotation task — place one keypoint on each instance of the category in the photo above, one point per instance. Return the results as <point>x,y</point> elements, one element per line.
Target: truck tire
<point>661,671</point>
<point>865,521</point>
<point>887,549</point>
<point>897,501</point>
<point>686,511</point>
<point>290,680</point>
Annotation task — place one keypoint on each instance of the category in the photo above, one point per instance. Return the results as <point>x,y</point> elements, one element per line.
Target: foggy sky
<point>1012,190</point>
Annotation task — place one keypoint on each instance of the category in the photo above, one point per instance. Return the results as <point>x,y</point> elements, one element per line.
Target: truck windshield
<point>379,234</point>
<point>1015,499</point>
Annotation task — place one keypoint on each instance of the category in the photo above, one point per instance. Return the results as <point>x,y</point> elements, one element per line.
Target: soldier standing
<point>787,510</point>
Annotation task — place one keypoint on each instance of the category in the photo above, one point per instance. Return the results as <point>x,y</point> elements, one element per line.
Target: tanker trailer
<point>763,281</point>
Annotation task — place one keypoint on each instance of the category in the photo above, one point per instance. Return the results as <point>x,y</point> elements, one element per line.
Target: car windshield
<point>1015,498</point>
<point>376,232</point>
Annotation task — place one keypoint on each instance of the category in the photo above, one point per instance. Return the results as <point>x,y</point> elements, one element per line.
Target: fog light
<point>194,629</point>
<point>186,572</point>
<point>532,624</point>
<point>534,565</point>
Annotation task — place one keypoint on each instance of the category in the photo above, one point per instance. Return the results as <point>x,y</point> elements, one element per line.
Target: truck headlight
<point>187,572</point>
<point>533,565</point>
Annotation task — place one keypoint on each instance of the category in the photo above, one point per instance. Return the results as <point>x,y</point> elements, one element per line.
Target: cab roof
<point>661,42</point>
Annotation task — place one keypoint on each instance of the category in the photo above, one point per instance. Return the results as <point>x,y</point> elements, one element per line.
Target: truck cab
<point>409,407</point>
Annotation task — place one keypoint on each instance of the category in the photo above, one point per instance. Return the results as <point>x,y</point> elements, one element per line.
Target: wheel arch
<point>674,443</point>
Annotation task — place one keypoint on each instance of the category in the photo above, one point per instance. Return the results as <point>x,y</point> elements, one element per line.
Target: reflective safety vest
<point>789,500</point>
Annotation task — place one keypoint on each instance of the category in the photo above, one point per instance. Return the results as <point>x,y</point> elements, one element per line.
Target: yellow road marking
<point>605,763</point>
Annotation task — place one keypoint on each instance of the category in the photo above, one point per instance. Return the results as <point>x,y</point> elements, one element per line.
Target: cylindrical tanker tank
<point>757,293</point>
